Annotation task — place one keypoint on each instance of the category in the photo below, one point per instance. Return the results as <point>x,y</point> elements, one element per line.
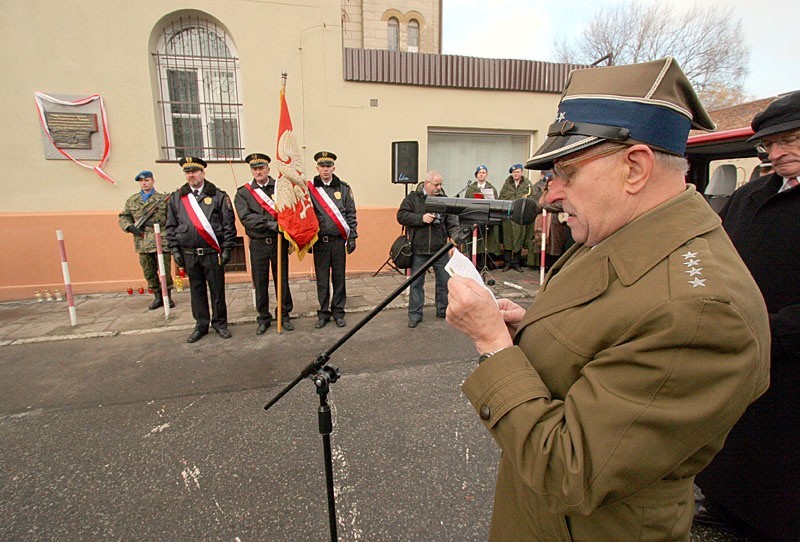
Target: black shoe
<point>413,323</point>
<point>262,328</point>
<point>171,303</point>
<point>287,325</point>
<point>157,303</point>
<point>340,322</point>
<point>223,332</point>
<point>196,335</point>
<point>321,323</point>
<point>442,314</point>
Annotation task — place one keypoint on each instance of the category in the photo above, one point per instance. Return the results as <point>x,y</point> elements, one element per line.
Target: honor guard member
<point>142,210</point>
<point>515,236</point>
<point>256,210</point>
<point>201,231</point>
<point>336,212</point>
<point>646,342</point>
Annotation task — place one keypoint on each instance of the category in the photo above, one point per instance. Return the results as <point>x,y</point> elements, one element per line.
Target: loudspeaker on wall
<point>405,162</point>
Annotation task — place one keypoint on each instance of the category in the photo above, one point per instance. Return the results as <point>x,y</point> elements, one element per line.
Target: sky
<point>528,29</point>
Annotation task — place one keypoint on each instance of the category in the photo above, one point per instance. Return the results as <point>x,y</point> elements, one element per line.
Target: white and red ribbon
<point>200,221</point>
<point>330,209</point>
<point>263,200</point>
<point>40,96</point>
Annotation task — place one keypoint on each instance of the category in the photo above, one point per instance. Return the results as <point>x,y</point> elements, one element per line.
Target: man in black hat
<point>142,210</point>
<point>201,232</point>
<point>756,476</point>
<point>335,208</point>
<point>646,341</point>
<point>256,209</point>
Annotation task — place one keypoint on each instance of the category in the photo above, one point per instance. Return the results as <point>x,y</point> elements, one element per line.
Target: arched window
<point>413,36</point>
<point>200,98</point>
<point>394,34</point>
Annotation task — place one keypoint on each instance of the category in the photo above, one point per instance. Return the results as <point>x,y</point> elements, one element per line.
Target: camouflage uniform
<point>145,244</point>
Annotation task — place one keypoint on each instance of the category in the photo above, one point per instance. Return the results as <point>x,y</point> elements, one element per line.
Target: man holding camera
<point>429,233</point>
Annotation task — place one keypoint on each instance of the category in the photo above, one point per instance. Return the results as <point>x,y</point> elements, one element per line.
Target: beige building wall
<point>365,23</point>
<point>106,48</point>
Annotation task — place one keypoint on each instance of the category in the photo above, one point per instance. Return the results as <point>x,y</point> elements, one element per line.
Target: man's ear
<point>639,161</point>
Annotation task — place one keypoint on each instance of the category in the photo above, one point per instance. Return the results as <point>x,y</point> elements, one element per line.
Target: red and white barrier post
<point>73,315</point>
<point>162,270</point>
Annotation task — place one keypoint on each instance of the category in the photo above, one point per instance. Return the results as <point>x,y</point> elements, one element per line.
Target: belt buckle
<point>200,252</point>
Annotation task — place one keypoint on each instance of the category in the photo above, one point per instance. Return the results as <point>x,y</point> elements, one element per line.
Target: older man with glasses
<point>646,342</point>
<point>757,476</point>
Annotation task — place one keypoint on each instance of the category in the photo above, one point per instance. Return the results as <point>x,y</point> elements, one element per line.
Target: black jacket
<point>344,202</point>
<point>425,238</point>
<point>258,222</point>
<point>216,206</point>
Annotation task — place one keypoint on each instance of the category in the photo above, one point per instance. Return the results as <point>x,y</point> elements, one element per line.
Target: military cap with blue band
<point>651,103</point>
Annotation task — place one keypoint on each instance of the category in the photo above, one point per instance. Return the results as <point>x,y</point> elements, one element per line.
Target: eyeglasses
<point>560,168</point>
<point>784,142</point>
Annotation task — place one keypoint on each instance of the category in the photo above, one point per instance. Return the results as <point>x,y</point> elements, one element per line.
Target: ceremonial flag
<point>296,217</point>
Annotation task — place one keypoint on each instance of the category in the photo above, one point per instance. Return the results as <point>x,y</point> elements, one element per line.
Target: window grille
<point>199,91</point>
<point>393,43</point>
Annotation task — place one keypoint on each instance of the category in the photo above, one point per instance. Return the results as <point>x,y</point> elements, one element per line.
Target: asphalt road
<point>150,438</point>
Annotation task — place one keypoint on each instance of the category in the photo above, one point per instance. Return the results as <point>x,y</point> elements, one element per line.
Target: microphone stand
<point>323,375</point>
<point>469,182</point>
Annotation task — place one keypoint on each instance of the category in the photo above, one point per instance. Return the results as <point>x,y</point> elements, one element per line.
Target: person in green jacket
<point>515,236</point>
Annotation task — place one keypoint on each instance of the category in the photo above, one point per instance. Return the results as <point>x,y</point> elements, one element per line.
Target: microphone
<point>484,211</point>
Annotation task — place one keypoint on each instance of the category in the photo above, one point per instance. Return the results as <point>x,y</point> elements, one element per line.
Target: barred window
<point>394,34</point>
<point>199,87</point>
<point>413,36</point>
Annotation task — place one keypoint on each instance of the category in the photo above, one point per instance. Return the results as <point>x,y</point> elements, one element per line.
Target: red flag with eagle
<point>296,216</point>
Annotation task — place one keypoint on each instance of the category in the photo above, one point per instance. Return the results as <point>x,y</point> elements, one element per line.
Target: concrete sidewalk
<point>108,315</point>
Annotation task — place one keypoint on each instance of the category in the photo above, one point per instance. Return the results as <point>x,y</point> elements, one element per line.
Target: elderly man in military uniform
<point>201,231</point>
<point>335,208</point>
<point>646,342</point>
<point>257,213</point>
<point>142,211</point>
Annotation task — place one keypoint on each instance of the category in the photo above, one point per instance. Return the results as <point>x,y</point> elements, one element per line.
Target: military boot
<point>169,296</point>
<point>157,302</point>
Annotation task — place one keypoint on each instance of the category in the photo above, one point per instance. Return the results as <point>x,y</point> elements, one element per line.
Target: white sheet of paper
<point>462,266</point>
<point>488,193</point>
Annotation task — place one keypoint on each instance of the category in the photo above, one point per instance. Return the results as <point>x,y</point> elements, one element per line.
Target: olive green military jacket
<point>628,371</point>
<point>134,209</point>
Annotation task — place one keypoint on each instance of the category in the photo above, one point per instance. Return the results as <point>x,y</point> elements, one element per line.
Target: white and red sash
<point>330,209</point>
<point>200,221</point>
<point>263,199</point>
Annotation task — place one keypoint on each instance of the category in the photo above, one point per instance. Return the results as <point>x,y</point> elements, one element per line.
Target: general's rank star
<point>691,263</point>
<point>697,281</point>
<point>694,271</point>
<point>689,255</point>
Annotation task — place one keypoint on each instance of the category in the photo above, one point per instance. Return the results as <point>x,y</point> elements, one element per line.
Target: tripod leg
<point>325,429</point>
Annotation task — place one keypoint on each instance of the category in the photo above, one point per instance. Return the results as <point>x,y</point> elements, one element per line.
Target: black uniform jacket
<point>216,206</point>
<point>342,196</point>
<point>257,222</point>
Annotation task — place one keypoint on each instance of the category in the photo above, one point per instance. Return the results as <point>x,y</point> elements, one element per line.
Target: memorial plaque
<point>71,130</point>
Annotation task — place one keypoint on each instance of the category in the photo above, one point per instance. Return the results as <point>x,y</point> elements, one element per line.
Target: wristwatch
<point>483,357</point>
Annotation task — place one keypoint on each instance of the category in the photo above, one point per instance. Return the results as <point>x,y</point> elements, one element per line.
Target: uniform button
<point>486,413</point>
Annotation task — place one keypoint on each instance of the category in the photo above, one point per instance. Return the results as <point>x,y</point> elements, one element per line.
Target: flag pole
<point>279,288</point>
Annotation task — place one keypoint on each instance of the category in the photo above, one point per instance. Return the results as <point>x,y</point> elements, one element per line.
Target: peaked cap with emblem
<point>257,159</point>
<point>189,163</point>
<point>651,103</point>
<point>325,158</point>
